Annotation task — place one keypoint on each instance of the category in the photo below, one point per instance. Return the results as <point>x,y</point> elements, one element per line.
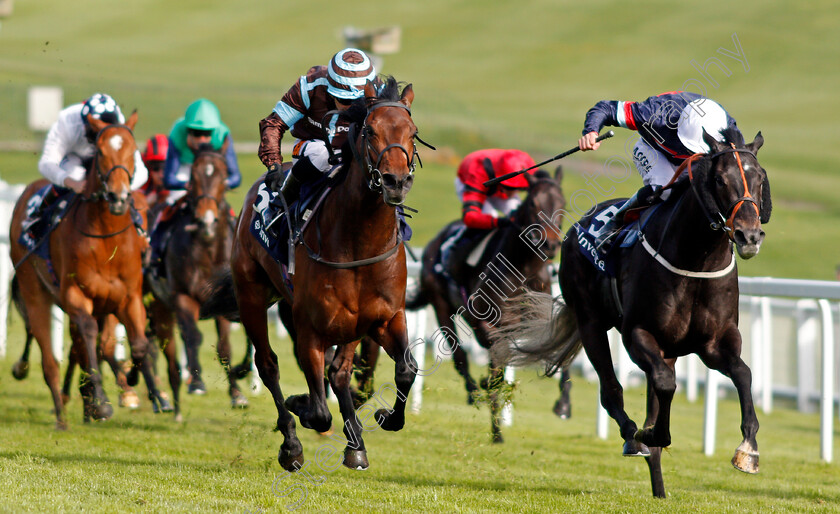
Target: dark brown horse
<point>678,291</point>
<point>349,280</point>
<point>198,248</point>
<point>516,256</point>
<point>95,268</point>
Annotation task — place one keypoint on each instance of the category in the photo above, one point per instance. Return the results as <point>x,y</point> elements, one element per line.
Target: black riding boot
<point>645,196</point>
<point>303,171</point>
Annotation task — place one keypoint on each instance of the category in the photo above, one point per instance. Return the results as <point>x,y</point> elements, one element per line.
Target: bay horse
<point>675,293</point>
<point>516,256</point>
<point>95,268</point>
<point>198,248</point>
<point>349,280</point>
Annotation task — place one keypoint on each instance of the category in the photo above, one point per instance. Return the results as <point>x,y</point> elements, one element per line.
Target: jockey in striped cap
<point>302,111</point>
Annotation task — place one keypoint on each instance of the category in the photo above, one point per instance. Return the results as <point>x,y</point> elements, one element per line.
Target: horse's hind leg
<point>597,348</point>
<point>132,315</point>
<point>237,399</point>
<point>662,384</point>
<point>393,337</point>
<point>445,317</point>
<point>355,455</point>
<point>368,356</point>
<point>72,362</point>
<point>253,298</point>
<point>726,358</point>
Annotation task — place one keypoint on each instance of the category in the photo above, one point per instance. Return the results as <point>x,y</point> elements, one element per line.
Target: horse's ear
<point>714,145</point>
<point>757,143</point>
<point>558,173</point>
<point>407,96</point>
<point>765,207</point>
<point>95,124</point>
<point>370,92</point>
<point>132,120</point>
<point>531,179</point>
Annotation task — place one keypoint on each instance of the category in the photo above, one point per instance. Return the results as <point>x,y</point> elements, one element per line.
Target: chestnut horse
<point>199,247</point>
<point>675,293</point>
<point>515,256</point>
<point>95,268</point>
<point>349,282</point>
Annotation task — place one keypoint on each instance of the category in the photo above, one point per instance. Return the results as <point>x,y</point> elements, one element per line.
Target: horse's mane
<point>389,91</point>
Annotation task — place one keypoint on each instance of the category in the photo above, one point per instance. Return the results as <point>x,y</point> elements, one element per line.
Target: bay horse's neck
<point>359,217</point>
<point>690,243</point>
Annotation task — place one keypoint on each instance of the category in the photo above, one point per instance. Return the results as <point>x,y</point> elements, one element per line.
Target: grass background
<point>485,73</point>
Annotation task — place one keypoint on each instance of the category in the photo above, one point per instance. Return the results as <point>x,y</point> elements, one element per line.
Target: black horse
<point>198,248</point>
<point>675,293</point>
<point>516,256</point>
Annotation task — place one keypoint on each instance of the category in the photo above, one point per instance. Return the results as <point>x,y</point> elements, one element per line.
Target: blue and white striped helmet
<point>349,71</point>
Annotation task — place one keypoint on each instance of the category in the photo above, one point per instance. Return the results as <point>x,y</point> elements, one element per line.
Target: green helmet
<point>202,115</point>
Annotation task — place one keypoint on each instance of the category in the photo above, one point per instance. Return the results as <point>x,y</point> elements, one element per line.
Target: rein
<point>103,178</point>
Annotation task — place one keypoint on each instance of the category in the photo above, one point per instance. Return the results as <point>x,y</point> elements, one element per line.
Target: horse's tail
<point>20,369</point>
<point>537,328</point>
<point>416,297</point>
<point>221,298</point>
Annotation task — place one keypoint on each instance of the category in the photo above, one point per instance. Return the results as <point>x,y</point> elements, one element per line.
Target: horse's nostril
<point>390,181</point>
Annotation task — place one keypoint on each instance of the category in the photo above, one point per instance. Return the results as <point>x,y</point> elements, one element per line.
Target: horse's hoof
<point>356,459</point>
<point>238,400</point>
<point>165,405</point>
<point>635,449</point>
<point>179,418</point>
<point>101,412</point>
<point>389,420</point>
<point>20,370</point>
<point>562,410</point>
<point>327,433</point>
<point>61,425</point>
<point>297,404</point>
<point>497,438</point>
<point>746,461</point>
<point>133,376</point>
<point>290,462</point>
<point>197,387</point>
<point>129,399</point>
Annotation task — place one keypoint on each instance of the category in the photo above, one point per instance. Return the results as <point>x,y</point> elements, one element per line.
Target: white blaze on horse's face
<point>116,142</point>
<point>209,169</point>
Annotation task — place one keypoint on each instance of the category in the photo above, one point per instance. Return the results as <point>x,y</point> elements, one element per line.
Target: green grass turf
<point>442,461</point>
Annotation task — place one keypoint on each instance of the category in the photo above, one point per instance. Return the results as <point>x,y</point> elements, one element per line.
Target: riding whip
<point>494,181</point>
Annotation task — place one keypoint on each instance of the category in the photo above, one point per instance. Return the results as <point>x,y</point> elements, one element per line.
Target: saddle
<point>35,239</point>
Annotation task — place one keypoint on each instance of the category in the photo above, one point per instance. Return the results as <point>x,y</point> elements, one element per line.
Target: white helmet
<point>701,114</point>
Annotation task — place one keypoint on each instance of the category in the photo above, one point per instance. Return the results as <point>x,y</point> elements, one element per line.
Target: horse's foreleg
<point>597,348</point>
<point>727,360</point>
<point>186,311</point>
<point>107,352</point>
<point>393,337</point>
<point>163,327</point>
<point>563,406</point>
<point>133,316</point>
<point>355,455</point>
<point>253,297</point>
<point>84,331</point>
<point>662,382</point>
<point>237,399</point>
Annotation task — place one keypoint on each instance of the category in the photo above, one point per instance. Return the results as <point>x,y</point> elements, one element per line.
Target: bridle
<point>374,180</point>
<point>718,220</point>
<point>103,177</point>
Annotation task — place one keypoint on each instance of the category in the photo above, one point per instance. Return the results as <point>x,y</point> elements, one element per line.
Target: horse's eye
<point>720,181</point>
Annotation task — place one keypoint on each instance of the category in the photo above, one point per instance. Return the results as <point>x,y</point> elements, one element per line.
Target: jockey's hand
<point>76,185</point>
<point>274,177</point>
<point>503,222</point>
<point>587,142</point>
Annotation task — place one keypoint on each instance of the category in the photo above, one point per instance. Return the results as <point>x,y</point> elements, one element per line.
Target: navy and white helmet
<point>102,107</point>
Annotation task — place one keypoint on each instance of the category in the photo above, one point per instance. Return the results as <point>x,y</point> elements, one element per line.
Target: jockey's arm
<point>141,174</point>
<point>172,169</point>
<point>472,214</point>
<point>55,149</point>
<point>272,129</point>
<point>234,176</point>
